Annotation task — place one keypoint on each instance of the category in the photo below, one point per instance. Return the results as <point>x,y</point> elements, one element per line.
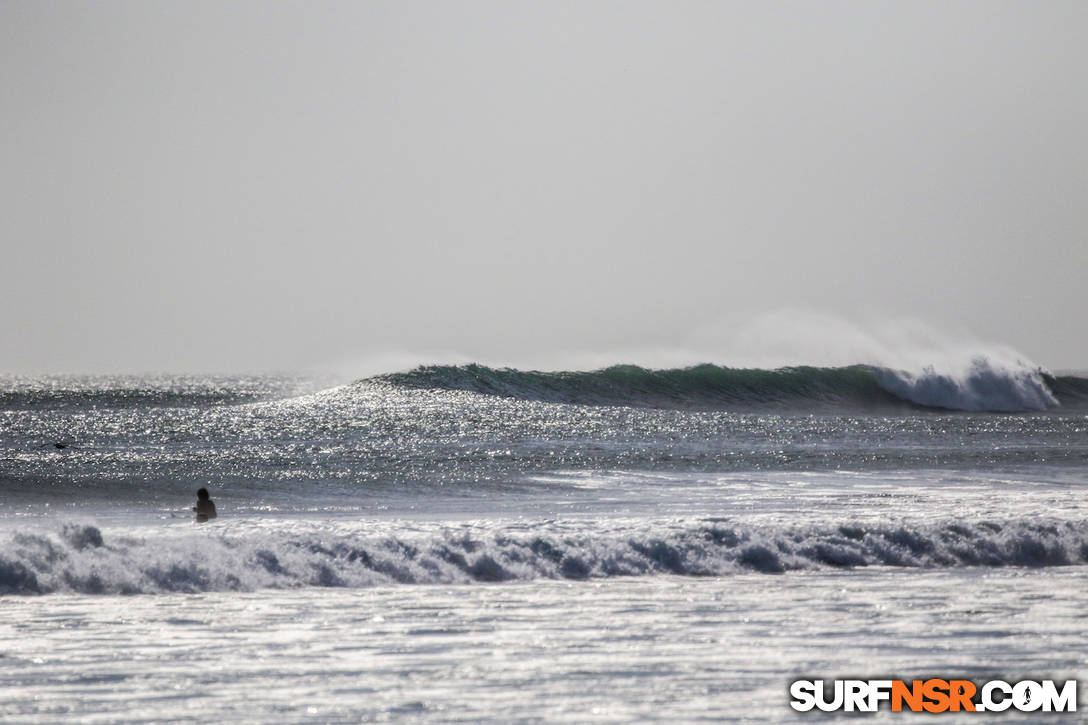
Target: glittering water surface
<point>359,439</point>
<point>391,551</point>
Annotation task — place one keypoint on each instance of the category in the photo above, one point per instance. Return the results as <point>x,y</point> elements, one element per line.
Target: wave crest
<point>81,559</point>
<point>983,386</point>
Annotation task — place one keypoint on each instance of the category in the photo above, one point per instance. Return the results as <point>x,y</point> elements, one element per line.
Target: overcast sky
<point>239,186</point>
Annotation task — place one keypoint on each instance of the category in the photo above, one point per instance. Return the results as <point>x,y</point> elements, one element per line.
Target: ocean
<point>467,543</point>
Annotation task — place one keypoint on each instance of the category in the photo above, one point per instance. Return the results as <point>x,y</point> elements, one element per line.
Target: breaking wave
<point>982,385</point>
<point>79,558</point>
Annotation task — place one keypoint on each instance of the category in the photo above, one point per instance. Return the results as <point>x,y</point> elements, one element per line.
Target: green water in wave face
<point>978,385</point>
<point>705,387</point>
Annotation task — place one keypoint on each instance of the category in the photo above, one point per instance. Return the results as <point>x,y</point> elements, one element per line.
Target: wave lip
<point>983,385</point>
<point>78,558</point>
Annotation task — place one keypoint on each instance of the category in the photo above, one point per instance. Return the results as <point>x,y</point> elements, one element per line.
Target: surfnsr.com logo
<point>934,695</point>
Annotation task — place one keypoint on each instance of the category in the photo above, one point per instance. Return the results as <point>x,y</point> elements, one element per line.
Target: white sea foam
<point>979,384</point>
<point>648,649</point>
<point>921,362</point>
<point>79,558</point>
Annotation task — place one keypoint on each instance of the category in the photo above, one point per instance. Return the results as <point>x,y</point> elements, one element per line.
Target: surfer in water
<point>205,507</point>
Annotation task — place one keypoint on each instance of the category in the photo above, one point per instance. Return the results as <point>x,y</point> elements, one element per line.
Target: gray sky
<point>210,186</point>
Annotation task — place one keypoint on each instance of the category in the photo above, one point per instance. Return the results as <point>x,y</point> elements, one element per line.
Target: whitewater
<point>471,543</point>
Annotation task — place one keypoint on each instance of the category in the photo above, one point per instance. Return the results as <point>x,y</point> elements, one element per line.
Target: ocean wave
<point>982,385</point>
<point>80,558</point>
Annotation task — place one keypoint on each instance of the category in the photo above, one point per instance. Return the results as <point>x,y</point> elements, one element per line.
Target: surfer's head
<point>202,494</point>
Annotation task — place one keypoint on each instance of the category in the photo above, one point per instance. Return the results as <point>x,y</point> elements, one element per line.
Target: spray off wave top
<point>981,385</point>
